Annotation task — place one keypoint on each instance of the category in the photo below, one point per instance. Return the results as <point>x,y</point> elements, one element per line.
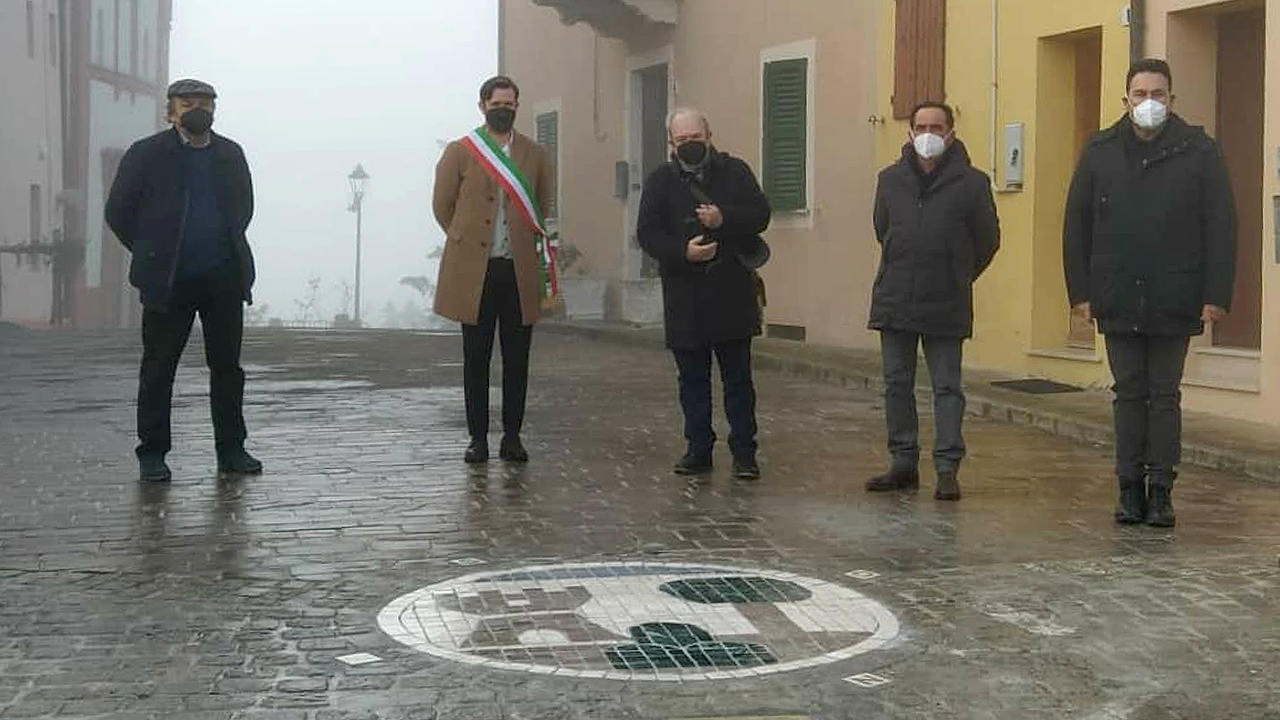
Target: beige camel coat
<point>466,206</point>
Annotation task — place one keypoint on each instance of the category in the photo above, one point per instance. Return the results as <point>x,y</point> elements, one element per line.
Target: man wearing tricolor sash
<point>492,189</point>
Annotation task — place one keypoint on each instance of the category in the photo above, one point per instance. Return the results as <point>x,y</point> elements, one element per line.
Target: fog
<point>312,87</point>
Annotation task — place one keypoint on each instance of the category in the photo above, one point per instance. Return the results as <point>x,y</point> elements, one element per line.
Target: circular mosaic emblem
<point>640,621</point>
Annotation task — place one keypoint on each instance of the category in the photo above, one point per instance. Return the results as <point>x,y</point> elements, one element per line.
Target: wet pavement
<point>592,583</point>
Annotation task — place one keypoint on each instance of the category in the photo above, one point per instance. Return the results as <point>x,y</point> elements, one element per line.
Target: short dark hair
<point>1148,65</point>
<point>496,82</point>
<point>927,104</point>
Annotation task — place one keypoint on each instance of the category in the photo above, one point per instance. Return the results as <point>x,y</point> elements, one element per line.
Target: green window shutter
<point>786,114</point>
<point>549,138</point>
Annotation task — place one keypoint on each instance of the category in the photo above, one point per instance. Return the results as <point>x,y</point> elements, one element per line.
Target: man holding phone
<point>700,215</point>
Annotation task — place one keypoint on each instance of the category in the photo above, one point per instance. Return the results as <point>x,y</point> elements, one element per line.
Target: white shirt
<point>501,238</point>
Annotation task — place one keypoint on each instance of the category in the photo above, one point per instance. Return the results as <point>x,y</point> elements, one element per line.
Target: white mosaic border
<point>887,626</point>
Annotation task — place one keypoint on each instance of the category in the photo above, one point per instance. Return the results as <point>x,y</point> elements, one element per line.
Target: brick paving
<point>209,599</point>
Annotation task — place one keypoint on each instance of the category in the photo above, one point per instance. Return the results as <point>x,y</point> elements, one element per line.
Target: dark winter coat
<point>147,210</point>
<point>715,301</point>
<point>937,234</point>
<point>1149,237</point>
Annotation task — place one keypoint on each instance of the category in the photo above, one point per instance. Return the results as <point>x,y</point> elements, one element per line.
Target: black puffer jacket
<point>937,234</point>
<point>147,208</point>
<point>1150,230</point>
<point>711,302</point>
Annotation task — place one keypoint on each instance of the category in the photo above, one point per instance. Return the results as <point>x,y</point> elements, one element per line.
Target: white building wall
<point>30,152</point>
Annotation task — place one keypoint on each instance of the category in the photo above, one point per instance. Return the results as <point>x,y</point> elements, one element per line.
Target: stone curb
<point>850,371</point>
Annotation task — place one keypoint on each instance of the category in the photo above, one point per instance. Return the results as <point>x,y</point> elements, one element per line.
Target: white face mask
<point>1151,114</point>
<point>929,146</point>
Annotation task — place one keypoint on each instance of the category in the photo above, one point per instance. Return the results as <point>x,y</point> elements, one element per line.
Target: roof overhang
<point>616,18</point>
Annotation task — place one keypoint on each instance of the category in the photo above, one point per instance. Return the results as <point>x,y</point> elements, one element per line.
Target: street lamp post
<point>359,178</point>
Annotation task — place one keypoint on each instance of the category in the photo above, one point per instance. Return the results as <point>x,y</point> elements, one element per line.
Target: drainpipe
<point>502,37</point>
<point>1137,29</point>
<point>995,90</point>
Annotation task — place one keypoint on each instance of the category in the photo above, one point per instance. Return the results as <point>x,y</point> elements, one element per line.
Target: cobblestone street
<point>795,596</point>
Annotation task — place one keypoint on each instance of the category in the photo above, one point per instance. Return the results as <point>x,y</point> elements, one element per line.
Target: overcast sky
<point>310,88</point>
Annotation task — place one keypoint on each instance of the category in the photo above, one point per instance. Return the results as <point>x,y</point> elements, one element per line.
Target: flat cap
<point>191,88</point>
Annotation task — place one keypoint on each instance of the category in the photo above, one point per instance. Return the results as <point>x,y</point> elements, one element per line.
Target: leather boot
<point>895,480</point>
<point>1160,506</point>
<point>948,488</point>
<point>1131,508</point>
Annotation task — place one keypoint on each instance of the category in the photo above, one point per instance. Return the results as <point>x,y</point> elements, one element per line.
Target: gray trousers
<point>943,356</point>
<point>1148,405</point>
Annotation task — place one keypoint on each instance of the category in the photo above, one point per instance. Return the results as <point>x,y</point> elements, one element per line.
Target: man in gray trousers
<point>935,220</point>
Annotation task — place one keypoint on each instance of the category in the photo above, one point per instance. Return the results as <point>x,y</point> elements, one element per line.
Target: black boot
<point>948,488</point>
<point>238,462</point>
<point>745,467</point>
<point>895,480</point>
<point>477,452</point>
<point>1160,506</point>
<point>1132,506</point>
<point>693,464</point>
<point>512,450</point>
<point>152,468</point>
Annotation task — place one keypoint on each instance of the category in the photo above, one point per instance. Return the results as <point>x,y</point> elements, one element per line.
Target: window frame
<point>806,49</point>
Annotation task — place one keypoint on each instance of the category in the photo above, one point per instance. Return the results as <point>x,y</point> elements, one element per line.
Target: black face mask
<point>692,152</point>
<point>500,119</point>
<point>197,121</point>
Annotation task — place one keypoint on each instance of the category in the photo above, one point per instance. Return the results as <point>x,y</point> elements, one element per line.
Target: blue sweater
<point>205,245</point>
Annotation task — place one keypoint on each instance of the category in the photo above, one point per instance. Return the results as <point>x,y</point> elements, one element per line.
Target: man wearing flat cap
<point>181,202</point>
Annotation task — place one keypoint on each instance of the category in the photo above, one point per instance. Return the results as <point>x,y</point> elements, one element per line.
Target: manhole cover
<point>640,621</point>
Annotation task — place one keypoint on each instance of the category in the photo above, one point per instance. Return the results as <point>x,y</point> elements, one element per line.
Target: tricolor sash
<point>503,169</point>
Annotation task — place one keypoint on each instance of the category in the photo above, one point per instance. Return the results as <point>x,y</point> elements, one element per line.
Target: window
<point>548,131</point>
<point>31,29</point>
<point>919,56</point>
<point>146,54</point>
<point>100,39</point>
<point>37,224</point>
<point>786,133</point>
<point>53,40</point>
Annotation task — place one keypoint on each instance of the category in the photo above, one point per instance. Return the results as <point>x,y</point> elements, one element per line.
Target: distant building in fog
<point>81,80</point>
<point>117,72</point>
<point>30,156</point>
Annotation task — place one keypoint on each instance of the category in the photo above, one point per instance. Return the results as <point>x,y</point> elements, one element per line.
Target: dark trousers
<point>694,366</point>
<point>1148,396</point>
<point>217,299</point>
<point>500,311</point>
<point>943,355</point>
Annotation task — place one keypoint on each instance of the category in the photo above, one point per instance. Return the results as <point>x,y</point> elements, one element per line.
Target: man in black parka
<point>181,203</point>
<point>1149,249</point>
<point>699,214</point>
<point>935,220</point>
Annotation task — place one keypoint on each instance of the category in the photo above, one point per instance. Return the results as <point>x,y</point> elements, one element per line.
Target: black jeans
<point>217,299</point>
<point>943,356</point>
<point>499,310</point>
<point>694,367</point>
<point>1148,396</point>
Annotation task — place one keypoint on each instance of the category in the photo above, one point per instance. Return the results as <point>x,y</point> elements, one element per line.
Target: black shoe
<point>238,462</point>
<point>1160,507</point>
<point>746,468</point>
<point>948,488</point>
<point>693,465</point>
<point>512,450</point>
<point>1132,506</point>
<point>895,480</point>
<point>477,452</point>
<point>153,468</point>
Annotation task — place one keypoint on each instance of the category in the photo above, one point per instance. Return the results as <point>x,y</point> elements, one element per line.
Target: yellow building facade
<point>1030,82</point>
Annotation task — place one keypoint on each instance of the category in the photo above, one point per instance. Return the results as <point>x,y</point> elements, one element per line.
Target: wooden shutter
<point>919,62</point>
<point>786,115</point>
<point>549,138</point>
